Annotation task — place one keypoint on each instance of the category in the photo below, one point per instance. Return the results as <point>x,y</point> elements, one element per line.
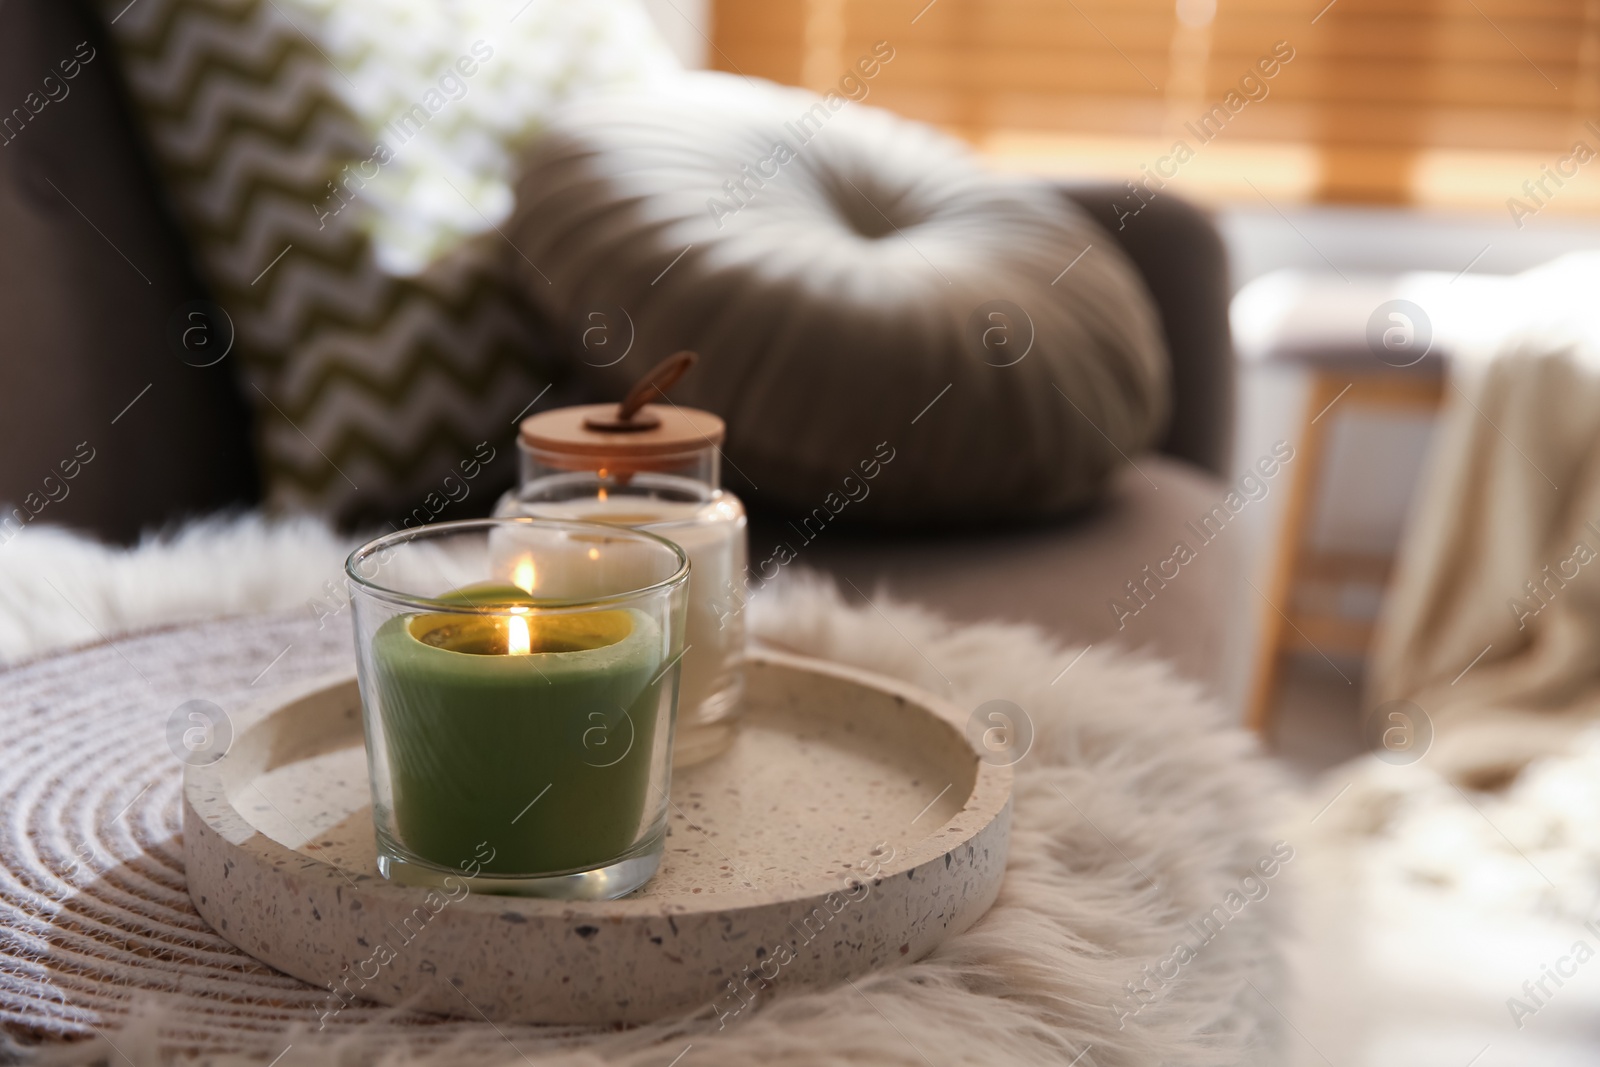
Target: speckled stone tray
<point>851,826</point>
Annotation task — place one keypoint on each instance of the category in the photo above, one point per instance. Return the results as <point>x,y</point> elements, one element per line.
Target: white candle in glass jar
<point>712,534</point>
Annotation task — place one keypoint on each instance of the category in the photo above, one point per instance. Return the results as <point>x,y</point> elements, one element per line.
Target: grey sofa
<point>93,273</point>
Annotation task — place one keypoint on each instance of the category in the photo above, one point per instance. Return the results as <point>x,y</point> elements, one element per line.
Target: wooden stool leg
<point>1286,554</point>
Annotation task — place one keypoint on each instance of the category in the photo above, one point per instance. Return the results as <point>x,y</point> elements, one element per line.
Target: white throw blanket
<point>1492,626</point>
<point>1138,815</point>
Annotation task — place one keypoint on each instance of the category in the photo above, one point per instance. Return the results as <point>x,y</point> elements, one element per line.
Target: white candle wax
<point>712,534</point>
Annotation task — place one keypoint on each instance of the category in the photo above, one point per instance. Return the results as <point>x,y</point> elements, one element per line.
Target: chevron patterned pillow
<point>342,168</point>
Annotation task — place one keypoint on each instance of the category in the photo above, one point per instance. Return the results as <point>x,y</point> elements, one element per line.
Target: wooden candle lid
<point>630,434</point>
<point>672,431</point>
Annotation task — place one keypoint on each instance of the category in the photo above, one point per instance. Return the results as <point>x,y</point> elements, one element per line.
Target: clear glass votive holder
<point>519,686</point>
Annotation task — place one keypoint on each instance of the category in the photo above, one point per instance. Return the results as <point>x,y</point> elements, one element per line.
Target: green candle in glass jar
<point>529,730</point>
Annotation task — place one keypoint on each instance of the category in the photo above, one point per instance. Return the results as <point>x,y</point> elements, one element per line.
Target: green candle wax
<point>543,754</point>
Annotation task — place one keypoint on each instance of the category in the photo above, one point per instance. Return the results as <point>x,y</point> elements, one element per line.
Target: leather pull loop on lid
<point>630,415</point>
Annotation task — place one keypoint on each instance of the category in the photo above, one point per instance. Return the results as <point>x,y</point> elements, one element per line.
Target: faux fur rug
<point>1439,925</point>
<point>1138,923</point>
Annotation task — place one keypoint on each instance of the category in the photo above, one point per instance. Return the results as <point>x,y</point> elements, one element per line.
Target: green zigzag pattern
<point>490,378</point>
<point>354,442</point>
<point>424,360</point>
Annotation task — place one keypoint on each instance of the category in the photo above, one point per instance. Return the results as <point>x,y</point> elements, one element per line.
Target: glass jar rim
<point>707,496</point>
<point>589,460</point>
<point>434,604</point>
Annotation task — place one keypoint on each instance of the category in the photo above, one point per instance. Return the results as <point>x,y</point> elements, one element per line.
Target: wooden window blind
<point>1439,101</point>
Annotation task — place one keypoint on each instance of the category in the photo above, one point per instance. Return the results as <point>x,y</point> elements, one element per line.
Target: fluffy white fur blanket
<point>1135,925</point>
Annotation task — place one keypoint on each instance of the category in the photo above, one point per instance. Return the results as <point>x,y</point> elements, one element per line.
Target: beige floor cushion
<point>857,285</point>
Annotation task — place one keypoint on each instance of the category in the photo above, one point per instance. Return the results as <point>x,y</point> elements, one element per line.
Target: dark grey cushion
<point>93,278</point>
<point>1180,255</point>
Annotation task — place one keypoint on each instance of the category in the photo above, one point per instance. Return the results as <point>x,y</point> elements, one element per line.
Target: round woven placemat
<point>96,925</point>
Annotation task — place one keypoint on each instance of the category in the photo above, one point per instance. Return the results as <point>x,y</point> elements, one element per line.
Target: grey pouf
<point>867,300</point>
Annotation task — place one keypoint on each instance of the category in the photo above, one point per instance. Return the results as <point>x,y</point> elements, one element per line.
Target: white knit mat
<point>1134,926</point>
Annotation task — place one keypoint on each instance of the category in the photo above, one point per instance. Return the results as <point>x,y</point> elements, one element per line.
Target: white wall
<point>686,24</point>
<point>1391,239</point>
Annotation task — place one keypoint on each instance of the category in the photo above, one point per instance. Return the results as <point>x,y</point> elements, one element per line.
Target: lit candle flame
<point>524,577</point>
<point>594,553</point>
<point>518,641</point>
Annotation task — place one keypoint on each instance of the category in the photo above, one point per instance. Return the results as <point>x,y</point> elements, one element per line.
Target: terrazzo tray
<point>851,826</point>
